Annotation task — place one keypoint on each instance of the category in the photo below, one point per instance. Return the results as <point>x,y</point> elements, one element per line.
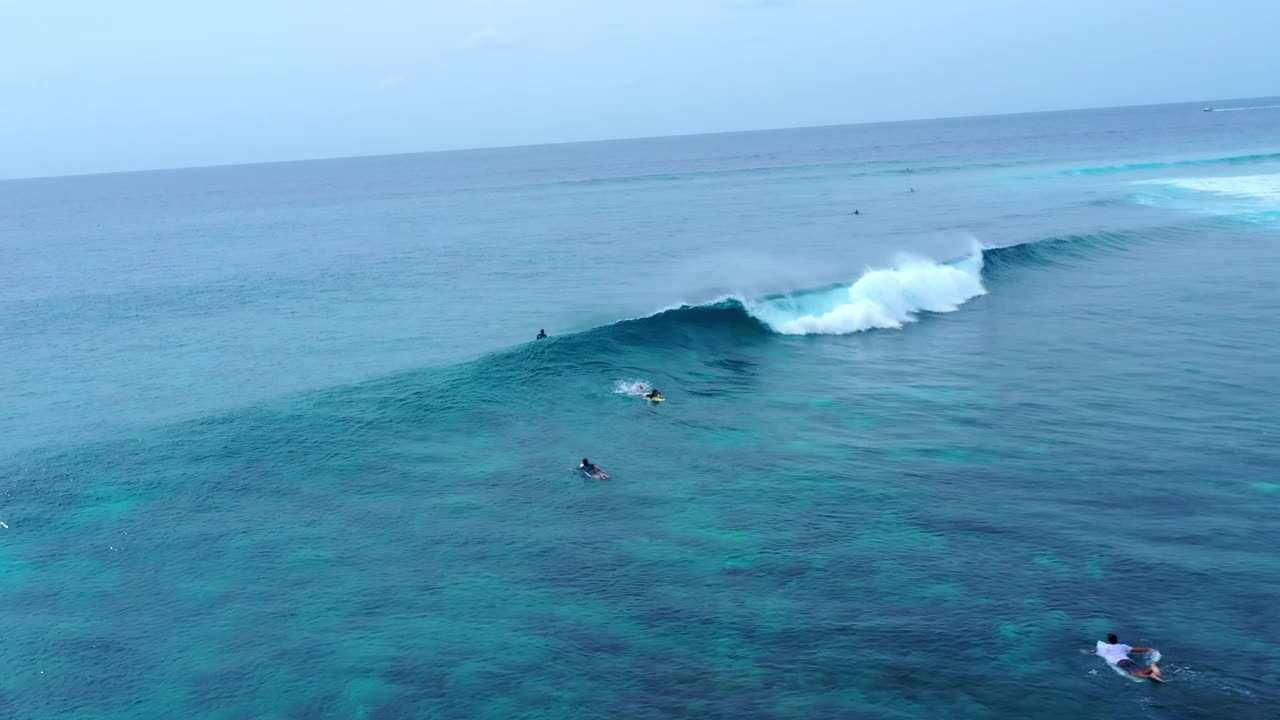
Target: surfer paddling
<point>1116,654</point>
<point>590,469</point>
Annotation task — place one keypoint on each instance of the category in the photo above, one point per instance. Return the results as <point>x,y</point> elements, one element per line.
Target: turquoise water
<point>276,441</point>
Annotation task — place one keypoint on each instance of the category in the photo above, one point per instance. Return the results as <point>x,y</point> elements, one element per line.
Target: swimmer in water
<point>1117,655</point>
<point>542,334</point>
<point>593,470</point>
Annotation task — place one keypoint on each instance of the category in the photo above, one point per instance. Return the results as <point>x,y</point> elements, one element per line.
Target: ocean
<point>947,402</point>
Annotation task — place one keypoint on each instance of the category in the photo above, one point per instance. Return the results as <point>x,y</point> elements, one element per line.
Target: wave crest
<point>1131,167</point>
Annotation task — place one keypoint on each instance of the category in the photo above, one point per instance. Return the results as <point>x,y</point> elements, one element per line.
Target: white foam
<point>635,388</point>
<point>1252,187</point>
<point>883,298</point>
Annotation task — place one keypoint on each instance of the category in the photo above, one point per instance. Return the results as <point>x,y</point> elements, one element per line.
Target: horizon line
<point>635,138</point>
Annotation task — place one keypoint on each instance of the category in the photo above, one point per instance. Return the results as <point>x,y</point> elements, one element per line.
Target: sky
<point>96,86</point>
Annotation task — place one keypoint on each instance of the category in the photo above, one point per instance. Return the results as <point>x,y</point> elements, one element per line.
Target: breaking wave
<point>881,298</point>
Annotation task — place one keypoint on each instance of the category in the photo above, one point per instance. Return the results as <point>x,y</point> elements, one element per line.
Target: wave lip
<point>881,298</point>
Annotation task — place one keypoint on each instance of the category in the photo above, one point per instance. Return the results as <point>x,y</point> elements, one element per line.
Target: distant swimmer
<point>1117,655</point>
<point>542,334</point>
<point>855,212</point>
<point>592,470</point>
<point>654,394</point>
<point>911,190</point>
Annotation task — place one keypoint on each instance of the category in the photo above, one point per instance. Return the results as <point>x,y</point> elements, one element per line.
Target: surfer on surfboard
<point>590,469</point>
<point>1116,654</point>
<point>654,394</point>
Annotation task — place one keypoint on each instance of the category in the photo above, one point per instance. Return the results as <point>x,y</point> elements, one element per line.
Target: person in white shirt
<point>1116,653</point>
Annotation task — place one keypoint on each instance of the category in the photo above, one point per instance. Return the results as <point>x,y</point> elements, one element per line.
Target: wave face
<point>487,392</point>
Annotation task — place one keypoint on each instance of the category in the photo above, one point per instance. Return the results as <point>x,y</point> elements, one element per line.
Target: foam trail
<point>636,388</point>
<point>885,298</point>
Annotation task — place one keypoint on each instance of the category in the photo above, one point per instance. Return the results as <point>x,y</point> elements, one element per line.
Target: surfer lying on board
<point>1117,655</point>
<point>593,470</point>
<point>653,394</point>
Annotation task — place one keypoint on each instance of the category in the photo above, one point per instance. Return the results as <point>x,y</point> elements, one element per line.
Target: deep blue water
<point>276,440</point>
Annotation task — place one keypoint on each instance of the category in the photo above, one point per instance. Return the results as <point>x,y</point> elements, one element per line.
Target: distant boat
<point>1251,107</point>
